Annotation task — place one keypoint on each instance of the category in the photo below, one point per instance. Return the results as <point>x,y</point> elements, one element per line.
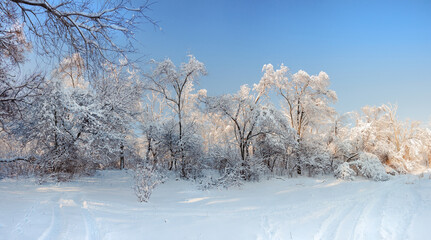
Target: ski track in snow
<point>305,208</point>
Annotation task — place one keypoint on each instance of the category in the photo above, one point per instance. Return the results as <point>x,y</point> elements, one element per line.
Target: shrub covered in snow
<point>232,170</point>
<point>230,178</point>
<point>344,171</point>
<point>146,179</point>
<point>369,166</point>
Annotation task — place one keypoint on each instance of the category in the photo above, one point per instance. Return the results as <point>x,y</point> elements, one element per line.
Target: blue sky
<point>375,52</point>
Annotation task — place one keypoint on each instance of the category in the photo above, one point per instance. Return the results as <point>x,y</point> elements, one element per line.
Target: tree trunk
<point>298,160</point>
<point>180,126</point>
<point>121,156</point>
<point>241,147</point>
<point>55,130</point>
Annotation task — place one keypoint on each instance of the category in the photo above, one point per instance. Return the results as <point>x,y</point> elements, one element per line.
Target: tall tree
<point>175,85</point>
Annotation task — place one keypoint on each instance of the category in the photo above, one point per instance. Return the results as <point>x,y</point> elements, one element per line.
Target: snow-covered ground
<point>105,207</point>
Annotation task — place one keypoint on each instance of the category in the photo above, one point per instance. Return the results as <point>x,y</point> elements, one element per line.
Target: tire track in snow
<point>333,220</point>
<point>57,226</point>
<point>70,220</point>
<point>53,227</point>
<point>76,222</point>
<point>399,212</point>
<point>370,219</point>
<point>91,229</point>
<point>360,218</point>
<point>417,201</point>
<point>347,224</point>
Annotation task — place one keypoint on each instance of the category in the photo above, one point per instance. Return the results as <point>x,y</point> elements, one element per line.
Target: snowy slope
<point>105,207</point>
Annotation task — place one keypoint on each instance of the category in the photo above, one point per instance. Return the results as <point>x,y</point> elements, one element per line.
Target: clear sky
<point>375,52</point>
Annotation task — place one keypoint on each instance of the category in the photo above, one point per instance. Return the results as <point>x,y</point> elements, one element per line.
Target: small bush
<point>146,179</point>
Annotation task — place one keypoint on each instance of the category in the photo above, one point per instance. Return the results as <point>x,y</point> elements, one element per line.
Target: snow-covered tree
<point>306,103</point>
<point>257,128</point>
<point>243,110</point>
<point>402,146</point>
<point>58,29</point>
<point>175,85</point>
<point>277,146</point>
<point>74,126</point>
<point>119,93</point>
<point>58,124</point>
<point>424,134</point>
<point>306,99</point>
<point>152,120</point>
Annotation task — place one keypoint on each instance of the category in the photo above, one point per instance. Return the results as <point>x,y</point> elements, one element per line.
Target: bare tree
<point>13,45</point>
<point>91,28</point>
<point>14,97</point>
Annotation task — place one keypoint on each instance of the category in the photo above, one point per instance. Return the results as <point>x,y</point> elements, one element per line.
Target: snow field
<point>105,207</point>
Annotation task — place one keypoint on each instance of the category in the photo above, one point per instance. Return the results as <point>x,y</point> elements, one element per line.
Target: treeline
<point>160,122</point>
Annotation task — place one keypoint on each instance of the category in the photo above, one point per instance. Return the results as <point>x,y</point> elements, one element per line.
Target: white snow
<point>105,207</point>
